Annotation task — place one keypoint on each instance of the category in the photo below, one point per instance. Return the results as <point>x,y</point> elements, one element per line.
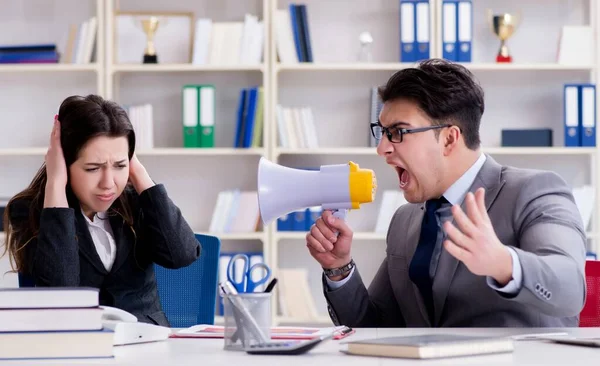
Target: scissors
<point>246,284</point>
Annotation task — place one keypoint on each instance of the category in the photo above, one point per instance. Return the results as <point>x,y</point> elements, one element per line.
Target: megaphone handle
<point>340,213</point>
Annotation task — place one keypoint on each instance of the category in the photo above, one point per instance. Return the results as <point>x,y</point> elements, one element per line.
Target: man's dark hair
<point>447,92</point>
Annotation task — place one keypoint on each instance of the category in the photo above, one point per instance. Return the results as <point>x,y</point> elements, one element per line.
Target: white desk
<point>200,352</point>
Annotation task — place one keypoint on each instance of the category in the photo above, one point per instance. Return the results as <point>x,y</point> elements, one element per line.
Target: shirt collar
<point>99,215</point>
<point>459,189</point>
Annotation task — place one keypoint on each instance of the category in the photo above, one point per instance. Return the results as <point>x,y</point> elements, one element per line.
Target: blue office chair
<point>188,295</point>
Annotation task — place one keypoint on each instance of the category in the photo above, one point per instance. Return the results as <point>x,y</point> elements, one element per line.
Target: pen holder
<point>247,319</point>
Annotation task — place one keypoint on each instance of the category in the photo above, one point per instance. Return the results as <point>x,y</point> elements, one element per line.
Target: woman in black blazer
<point>93,217</point>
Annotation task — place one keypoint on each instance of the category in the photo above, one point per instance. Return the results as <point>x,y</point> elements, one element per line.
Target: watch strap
<point>331,272</point>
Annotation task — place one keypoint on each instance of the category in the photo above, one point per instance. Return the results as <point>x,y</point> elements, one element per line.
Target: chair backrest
<point>188,295</point>
<point>590,314</point>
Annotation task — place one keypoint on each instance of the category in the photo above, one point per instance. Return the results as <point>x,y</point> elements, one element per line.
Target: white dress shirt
<point>102,235</point>
<point>455,196</point>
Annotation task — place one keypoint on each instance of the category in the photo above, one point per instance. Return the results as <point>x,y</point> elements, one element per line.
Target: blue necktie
<point>419,266</point>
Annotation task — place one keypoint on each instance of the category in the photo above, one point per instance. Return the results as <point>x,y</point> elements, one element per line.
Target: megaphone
<point>337,187</point>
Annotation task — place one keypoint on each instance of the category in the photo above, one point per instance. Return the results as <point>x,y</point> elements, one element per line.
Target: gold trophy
<point>150,25</point>
<point>504,26</point>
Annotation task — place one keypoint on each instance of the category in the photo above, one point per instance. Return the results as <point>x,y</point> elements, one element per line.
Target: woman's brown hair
<point>81,119</point>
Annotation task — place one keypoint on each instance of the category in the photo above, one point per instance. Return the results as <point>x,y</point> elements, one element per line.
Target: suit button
<point>537,287</point>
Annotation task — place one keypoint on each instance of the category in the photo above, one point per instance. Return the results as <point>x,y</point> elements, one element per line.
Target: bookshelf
<point>336,86</point>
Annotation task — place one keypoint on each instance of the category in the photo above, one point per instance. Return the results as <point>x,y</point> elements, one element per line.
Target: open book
<point>217,331</point>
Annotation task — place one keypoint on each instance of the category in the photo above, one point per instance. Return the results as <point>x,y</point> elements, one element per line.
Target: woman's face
<point>100,173</point>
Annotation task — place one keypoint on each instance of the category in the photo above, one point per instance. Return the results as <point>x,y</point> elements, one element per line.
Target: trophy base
<point>503,59</point>
<point>150,59</point>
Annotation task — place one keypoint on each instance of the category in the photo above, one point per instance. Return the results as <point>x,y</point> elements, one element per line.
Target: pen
<point>271,285</point>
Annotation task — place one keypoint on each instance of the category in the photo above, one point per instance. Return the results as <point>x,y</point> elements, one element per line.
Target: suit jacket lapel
<point>86,243</point>
<point>412,241</point>
<point>489,178</point>
<point>119,231</point>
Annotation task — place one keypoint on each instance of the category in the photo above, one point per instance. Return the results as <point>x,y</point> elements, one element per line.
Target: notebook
<point>48,297</point>
<point>429,346</point>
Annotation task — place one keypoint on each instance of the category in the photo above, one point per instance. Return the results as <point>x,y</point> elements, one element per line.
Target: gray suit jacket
<point>532,211</point>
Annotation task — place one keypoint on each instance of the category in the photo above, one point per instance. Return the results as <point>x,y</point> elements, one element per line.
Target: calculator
<point>285,348</point>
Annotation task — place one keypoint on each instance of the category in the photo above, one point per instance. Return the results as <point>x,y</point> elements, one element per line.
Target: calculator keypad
<point>270,345</point>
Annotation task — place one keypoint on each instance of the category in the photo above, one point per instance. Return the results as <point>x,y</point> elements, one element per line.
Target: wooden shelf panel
<point>558,150</point>
<point>48,67</point>
<point>393,66</point>
<point>33,151</point>
<point>181,68</point>
<point>213,151</point>
<point>328,151</point>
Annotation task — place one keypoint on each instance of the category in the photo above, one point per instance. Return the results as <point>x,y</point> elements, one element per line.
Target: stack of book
<point>249,118</point>
<point>29,54</point>
<point>294,295</point>
<point>296,127</point>
<point>229,42</point>
<point>292,34</point>
<point>236,212</point>
<point>43,323</point>
<point>142,119</point>
<point>299,220</point>
<point>81,43</point>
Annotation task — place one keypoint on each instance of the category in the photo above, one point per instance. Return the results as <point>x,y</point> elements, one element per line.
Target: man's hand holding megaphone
<point>337,187</point>
<point>329,241</point>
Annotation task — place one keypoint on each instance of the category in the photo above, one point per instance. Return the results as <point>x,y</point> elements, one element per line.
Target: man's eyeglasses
<point>396,134</point>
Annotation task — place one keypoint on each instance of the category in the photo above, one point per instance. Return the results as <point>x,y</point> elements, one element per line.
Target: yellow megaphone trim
<point>363,185</point>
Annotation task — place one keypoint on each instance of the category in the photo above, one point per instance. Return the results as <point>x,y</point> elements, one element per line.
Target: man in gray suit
<point>478,244</point>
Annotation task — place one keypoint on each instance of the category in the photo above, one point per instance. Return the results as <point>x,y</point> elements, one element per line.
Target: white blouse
<point>103,237</point>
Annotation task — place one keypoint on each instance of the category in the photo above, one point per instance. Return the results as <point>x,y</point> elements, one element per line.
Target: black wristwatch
<point>332,272</point>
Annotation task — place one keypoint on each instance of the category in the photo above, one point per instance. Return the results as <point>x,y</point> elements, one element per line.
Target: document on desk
<point>217,331</point>
<point>576,341</point>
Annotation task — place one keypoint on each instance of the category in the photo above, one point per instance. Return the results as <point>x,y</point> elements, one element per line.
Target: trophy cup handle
<point>518,17</point>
